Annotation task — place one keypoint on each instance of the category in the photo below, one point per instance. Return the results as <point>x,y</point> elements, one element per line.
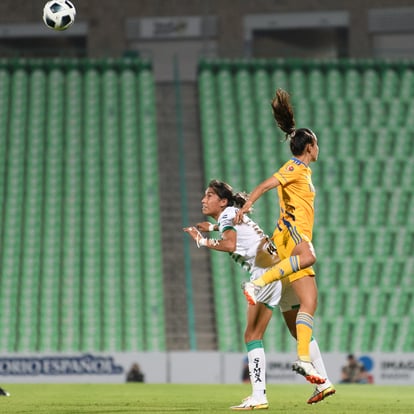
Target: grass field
<point>171,398</point>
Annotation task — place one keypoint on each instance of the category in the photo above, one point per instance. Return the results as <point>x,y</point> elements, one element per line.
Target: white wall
<point>185,367</point>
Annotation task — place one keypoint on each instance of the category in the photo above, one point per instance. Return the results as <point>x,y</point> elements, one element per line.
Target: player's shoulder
<point>289,168</point>
<point>225,220</point>
<point>228,213</point>
<point>294,166</point>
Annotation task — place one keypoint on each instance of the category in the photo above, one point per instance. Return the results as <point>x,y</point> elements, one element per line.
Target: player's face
<point>314,150</point>
<point>211,204</point>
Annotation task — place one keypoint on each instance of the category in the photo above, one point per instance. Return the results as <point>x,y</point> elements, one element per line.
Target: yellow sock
<point>283,269</point>
<point>304,328</point>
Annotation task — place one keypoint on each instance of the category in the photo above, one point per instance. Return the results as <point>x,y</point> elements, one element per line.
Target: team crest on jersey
<point>290,168</point>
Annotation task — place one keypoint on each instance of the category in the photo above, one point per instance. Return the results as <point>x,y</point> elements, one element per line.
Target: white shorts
<point>276,293</point>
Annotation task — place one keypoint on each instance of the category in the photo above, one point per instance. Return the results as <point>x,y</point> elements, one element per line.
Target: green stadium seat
<point>378,113</point>
<point>262,89</point>
<point>303,112</point>
<point>383,144</point>
<point>343,242</point>
<point>352,84</point>
<point>403,333</point>
<point>359,114</point>
<point>346,141</point>
<point>408,338</point>
<point>377,207</point>
<point>337,207</point>
<point>406,89</point>
<point>334,84</point>
<point>329,169</point>
<point>340,114</point>
<point>322,239</point>
<point>298,84</point>
<point>388,331</point>
<point>337,335</point>
<point>350,173</point>
<point>279,79</point>
<point>354,302</point>
<point>316,83</point>
<point>365,143</point>
<point>349,272</point>
<point>370,84</point>
<point>390,85</point>
<point>362,242</point>
<point>363,334</point>
<point>397,115</point>
<point>371,173</point>
<point>321,114</point>
<point>408,122</point>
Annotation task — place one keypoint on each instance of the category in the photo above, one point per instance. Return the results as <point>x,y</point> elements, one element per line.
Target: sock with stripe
<point>304,328</point>
<point>257,369</point>
<point>283,269</point>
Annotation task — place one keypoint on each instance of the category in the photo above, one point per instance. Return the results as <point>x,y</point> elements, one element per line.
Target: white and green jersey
<point>249,237</point>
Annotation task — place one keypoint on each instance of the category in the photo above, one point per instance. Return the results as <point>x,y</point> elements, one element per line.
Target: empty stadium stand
<point>81,258</point>
<point>79,176</point>
<point>361,112</point>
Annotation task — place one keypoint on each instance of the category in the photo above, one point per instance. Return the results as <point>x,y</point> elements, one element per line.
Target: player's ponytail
<point>283,114</point>
<point>239,199</point>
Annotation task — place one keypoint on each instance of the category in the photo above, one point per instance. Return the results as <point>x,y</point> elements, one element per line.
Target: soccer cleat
<point>4,393</point>
<point>307,369</point>
<point>250,403</point>
<point>319,395</point>
<point>250,290</point>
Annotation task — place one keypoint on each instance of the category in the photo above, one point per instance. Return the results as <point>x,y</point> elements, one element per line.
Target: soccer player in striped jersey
<point>293,233</point>
<point>249,246</point>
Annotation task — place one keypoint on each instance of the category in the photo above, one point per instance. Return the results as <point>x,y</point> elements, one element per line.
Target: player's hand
<point>194,233</point>
<point>238,218</point>
<point>205,226</point>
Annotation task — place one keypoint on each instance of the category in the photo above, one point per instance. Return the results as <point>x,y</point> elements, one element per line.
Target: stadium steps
<point>172,220</point>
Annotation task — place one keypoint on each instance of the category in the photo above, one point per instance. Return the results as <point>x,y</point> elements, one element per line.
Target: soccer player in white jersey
<point>249,246</point>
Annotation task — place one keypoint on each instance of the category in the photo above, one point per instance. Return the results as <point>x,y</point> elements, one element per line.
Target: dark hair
<point>225,191</point>
<point>283,114</point>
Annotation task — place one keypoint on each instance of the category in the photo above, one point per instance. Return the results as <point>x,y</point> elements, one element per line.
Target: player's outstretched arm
<point>263,187</point>
<point>226,244</point>
<point>206,226</point>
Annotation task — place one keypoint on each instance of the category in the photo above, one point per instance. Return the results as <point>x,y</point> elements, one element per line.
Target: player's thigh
<point>289,244</point>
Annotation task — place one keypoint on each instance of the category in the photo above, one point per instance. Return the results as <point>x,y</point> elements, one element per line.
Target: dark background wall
<point>106,19</point>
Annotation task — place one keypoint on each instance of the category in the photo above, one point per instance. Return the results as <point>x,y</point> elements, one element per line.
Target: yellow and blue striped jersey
<point>296,195</point>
